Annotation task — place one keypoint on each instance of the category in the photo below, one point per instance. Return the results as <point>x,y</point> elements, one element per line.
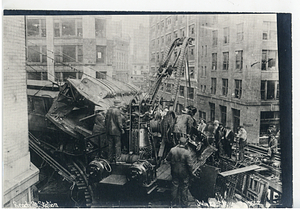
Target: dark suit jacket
<point>113,121</point>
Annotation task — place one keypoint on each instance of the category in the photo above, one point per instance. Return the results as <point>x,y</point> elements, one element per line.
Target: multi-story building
<point>234,63</point>
<point>61,47</point>
<point>19,174</point>
<point>163,30</point>
<point>140,58</point>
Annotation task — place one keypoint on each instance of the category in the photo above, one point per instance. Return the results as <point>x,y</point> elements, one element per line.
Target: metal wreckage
<point>61,134</point>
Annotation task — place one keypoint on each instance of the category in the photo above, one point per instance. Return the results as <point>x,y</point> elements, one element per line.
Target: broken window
<point>68,27</point>
<point>268,60</point>
<point>269,90</point>
<point>214,61</point>
<point>36,27</point>
<point>239,60</point>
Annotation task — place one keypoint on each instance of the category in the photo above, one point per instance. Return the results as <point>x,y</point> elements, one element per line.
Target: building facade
<point>19,173</point>
<point>234,65</point>
<point>61,47</point>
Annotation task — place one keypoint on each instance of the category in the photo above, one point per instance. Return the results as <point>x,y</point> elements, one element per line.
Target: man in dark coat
<point>219,136</point>
<point>99,130</point>
<point>228,141</point>
<point>114,129</point>
<point>183,125</point>
<point>181,170</point>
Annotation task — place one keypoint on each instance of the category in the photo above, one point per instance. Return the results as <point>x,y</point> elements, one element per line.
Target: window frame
<point>239,60</point>
<point>213,86</point>
<point>225,61</point>
<point>224,87</point>
<point>238,88</point>
<point>214,64</point>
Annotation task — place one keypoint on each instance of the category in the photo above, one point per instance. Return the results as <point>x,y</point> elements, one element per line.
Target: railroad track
<point>81,191</point>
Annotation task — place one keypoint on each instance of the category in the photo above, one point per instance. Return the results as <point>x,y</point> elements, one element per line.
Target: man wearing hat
<point>184,124</point>
<point>99,129</point>
<point>181,170</point>
<point>242,137</point>
<point>114,129</point>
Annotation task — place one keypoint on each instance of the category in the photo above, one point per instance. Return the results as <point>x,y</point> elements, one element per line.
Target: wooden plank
<point>240,170</point>
<point>114,179</point>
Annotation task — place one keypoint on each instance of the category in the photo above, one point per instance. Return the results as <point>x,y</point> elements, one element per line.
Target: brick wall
<point>15,122</point>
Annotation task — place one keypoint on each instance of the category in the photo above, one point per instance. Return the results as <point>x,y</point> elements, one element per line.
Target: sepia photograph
<point>146,109</point>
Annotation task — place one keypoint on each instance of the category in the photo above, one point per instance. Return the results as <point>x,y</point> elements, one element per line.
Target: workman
<point>183,125</point>
<point>242,137</point>
<point>181,171</point>
<point>228,141</point>
<point>99,130</point>
<point>114,129</point>
<point>219,136</point>
<point>273,143</point>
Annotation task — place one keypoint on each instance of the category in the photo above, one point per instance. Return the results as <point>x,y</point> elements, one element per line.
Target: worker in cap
<point>181,170</point>
<point>184,124</point>
<point>114,130</point>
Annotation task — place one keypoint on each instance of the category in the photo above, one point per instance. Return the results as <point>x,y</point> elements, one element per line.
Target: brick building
<point>234,66</point>
<point>68,46</point>
<point>19,173</point>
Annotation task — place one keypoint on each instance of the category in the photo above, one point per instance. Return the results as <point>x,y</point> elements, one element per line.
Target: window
<point>191,52</point>
<point>238,89</point>
<point>169,21</point>
<point>204,88</point>
<point>215,37</point>
<point>192,30</point>
<point>36,27</point>
<point>206,26</point>
<point>202,115</point>
<point>68,53</point>
<point>205,71</point>
<point>225,60</point>
<point>236,119</point>
<point>214,61</point>
<point>224,87</point>
<point>182,32</point>
<point>100,54</point>
<point>37,54</point>
<point>190,93</point>
<point>192,72</point>
<point>226,35</point>
<point>157,26</point>
<point>212,111</point>
<point>169,38</point>
<point>67,75</point>
<point>213,85</point>
<point>268,61</point>
<point>101,74</point>
<point>240,32</point>
<point>175,34</point>
<point>205,50</point>
<point>162,40</point>
<point>100,28</point>
<point>269,30</point>
<point>202,50</point>
<point>68,27</point>
<point>269,90</point>
<point>181,91</point>
<point>162,24</point>
<point>267,118</point>
<point>223,110</point>
<point>169,87</point>
<point>202,30</point>
<point>239,60</point>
